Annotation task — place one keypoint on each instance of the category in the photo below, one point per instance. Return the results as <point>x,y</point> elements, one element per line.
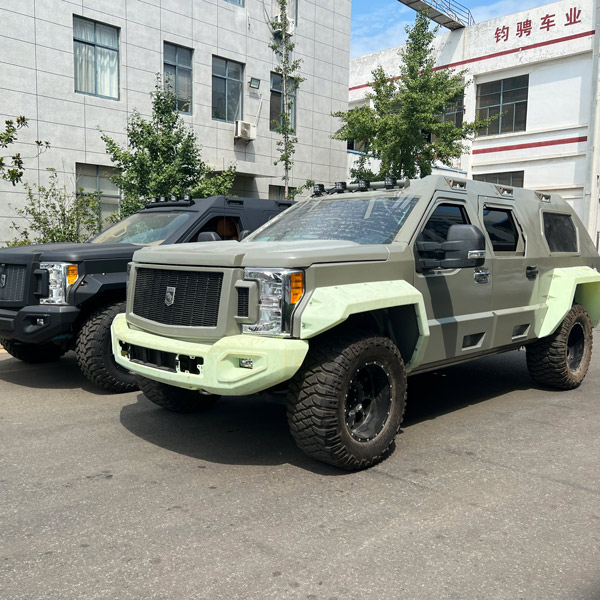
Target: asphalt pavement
<point>493,492</point>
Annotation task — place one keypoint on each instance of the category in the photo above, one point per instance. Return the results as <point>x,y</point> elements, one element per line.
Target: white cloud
<point>379,29</point>
<point>486,12</point>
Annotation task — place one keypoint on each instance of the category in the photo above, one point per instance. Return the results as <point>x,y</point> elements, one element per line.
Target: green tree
<point>403,128</point>
<point>13,169</point>
<point>162,157</point>
<point>283,47</point>
<point>54,214</point>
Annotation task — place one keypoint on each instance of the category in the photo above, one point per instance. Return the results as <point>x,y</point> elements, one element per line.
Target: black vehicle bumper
<point>37,324</point>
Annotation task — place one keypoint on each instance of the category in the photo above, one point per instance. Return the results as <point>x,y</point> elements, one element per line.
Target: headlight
<point>279,291</point>
<point>61,276</point>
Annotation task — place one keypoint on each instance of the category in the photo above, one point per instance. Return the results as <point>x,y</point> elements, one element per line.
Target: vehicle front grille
<point>12,283</point>
<point>180,298</point>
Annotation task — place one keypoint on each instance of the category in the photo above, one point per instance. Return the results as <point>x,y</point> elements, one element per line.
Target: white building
<point>73,67</point>
<point>539,68</point>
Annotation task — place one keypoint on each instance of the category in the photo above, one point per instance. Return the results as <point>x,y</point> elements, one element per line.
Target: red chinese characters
<point>524,28</point>
<point>573,16</point>
<point>548,22</point>
<point>502,34</point>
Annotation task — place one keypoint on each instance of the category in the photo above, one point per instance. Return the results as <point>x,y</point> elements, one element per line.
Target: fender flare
<point>329,306</point>
<point>566,286</point>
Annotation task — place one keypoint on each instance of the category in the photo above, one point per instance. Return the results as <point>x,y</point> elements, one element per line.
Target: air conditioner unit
<point>245,131</point>
<point>278,25</point>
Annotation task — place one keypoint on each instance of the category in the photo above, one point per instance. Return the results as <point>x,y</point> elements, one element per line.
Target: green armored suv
<point>345,294</point>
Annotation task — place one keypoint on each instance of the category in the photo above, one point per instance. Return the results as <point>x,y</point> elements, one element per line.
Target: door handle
<point>531,272</point>
<point>481,275</point>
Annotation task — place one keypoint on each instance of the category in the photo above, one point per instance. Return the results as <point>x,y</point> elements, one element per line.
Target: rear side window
<point>500,226</point>
<point>560,232</point>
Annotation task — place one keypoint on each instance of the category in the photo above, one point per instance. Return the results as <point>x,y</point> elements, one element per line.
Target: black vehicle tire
<point>561,360</point>
<point>346,404</point>
<point>94,351</point>
<point>174,398</point>
<point>33,353</point>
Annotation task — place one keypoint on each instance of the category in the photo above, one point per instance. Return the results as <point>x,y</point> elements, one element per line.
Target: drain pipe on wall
<point>591,189</point>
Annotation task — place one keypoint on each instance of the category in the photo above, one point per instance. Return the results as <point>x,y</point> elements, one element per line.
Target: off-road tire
<point>94,351</point>
<point>174,398</point>
<point>33,353</point>
<point>561,360</point>
<point>324,400</point>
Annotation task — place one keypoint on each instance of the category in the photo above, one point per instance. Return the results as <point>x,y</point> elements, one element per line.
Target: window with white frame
<point>227,79</point>
<point>96,179</point>
<point>506,99</point>
<point>277,103</point>
<point>96,58</point>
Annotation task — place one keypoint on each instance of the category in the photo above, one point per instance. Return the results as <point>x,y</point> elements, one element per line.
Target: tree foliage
<point>54,214</point>
<point>162,157</point>
<point>283,47</point>
<point>403,127</point>
<point>13,169</point>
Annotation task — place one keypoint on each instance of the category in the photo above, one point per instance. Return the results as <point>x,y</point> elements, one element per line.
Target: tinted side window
<point>445,215</point>
<point>560,232</point>
<point>501,228</point>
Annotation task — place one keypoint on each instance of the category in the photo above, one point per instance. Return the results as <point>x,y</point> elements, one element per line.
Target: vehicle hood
<point>69,252</point>
<point>262,254</point>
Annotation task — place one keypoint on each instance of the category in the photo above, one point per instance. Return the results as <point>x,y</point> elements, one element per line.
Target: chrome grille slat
<point>196,301</point>
<point>15,279</point>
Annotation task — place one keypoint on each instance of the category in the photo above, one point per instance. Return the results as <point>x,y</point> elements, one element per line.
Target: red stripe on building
<point>567,38</point>
<point>574,140</point>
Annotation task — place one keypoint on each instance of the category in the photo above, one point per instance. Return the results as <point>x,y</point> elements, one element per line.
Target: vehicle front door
<point>458,301</point>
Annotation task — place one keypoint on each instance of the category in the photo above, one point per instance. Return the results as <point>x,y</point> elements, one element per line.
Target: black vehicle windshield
<point>143,228</point>
<point>360,219</point>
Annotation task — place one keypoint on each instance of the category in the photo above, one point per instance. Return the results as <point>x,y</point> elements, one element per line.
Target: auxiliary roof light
<point>173,198</point>
<point>390,182</point>
<point>187,197</point>
<point>318,189</point>
<point>163,198</point>
<point>363,185</point>
<point>340,187</point>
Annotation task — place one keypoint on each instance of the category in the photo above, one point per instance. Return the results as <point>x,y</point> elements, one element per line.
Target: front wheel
<point>561,360</point>
<point>94,351</point>
<point>174,398</point>
<point>346,404</point>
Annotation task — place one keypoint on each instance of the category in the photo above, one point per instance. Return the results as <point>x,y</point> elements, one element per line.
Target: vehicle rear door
<point>515,282</point>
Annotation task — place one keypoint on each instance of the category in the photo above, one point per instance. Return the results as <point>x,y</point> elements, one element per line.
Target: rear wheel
<point>561,360</point>
<point>174,398</point>
<point>94,351</point>
<point>33,353</point>
<point>346,404</point>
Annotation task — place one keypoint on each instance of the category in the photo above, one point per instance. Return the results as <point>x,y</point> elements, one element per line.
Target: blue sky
<point>379,24</point>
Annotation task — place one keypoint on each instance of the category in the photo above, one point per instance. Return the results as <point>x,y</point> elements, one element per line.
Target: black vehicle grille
<point>194,303</point>
<point>243,302</point>
<point>12,283</point>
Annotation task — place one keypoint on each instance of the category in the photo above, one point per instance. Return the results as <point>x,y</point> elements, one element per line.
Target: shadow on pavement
<point>60,374</point>
<point>250,430</point>
<point>440,392</point>
<point>254,430</point>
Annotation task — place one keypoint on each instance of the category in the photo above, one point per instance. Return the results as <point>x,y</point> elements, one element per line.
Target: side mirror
<point>208,236</point>
<point>464,248</point>
<point>244,234</point>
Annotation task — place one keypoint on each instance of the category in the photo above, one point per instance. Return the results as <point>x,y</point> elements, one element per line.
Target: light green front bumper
<point>274,360</point>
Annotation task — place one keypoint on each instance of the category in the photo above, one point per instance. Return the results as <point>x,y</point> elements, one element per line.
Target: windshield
<point>143,228</point>
<point>364,220</point>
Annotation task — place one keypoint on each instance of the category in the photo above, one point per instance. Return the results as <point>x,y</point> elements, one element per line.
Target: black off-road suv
<point>58,297</point>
